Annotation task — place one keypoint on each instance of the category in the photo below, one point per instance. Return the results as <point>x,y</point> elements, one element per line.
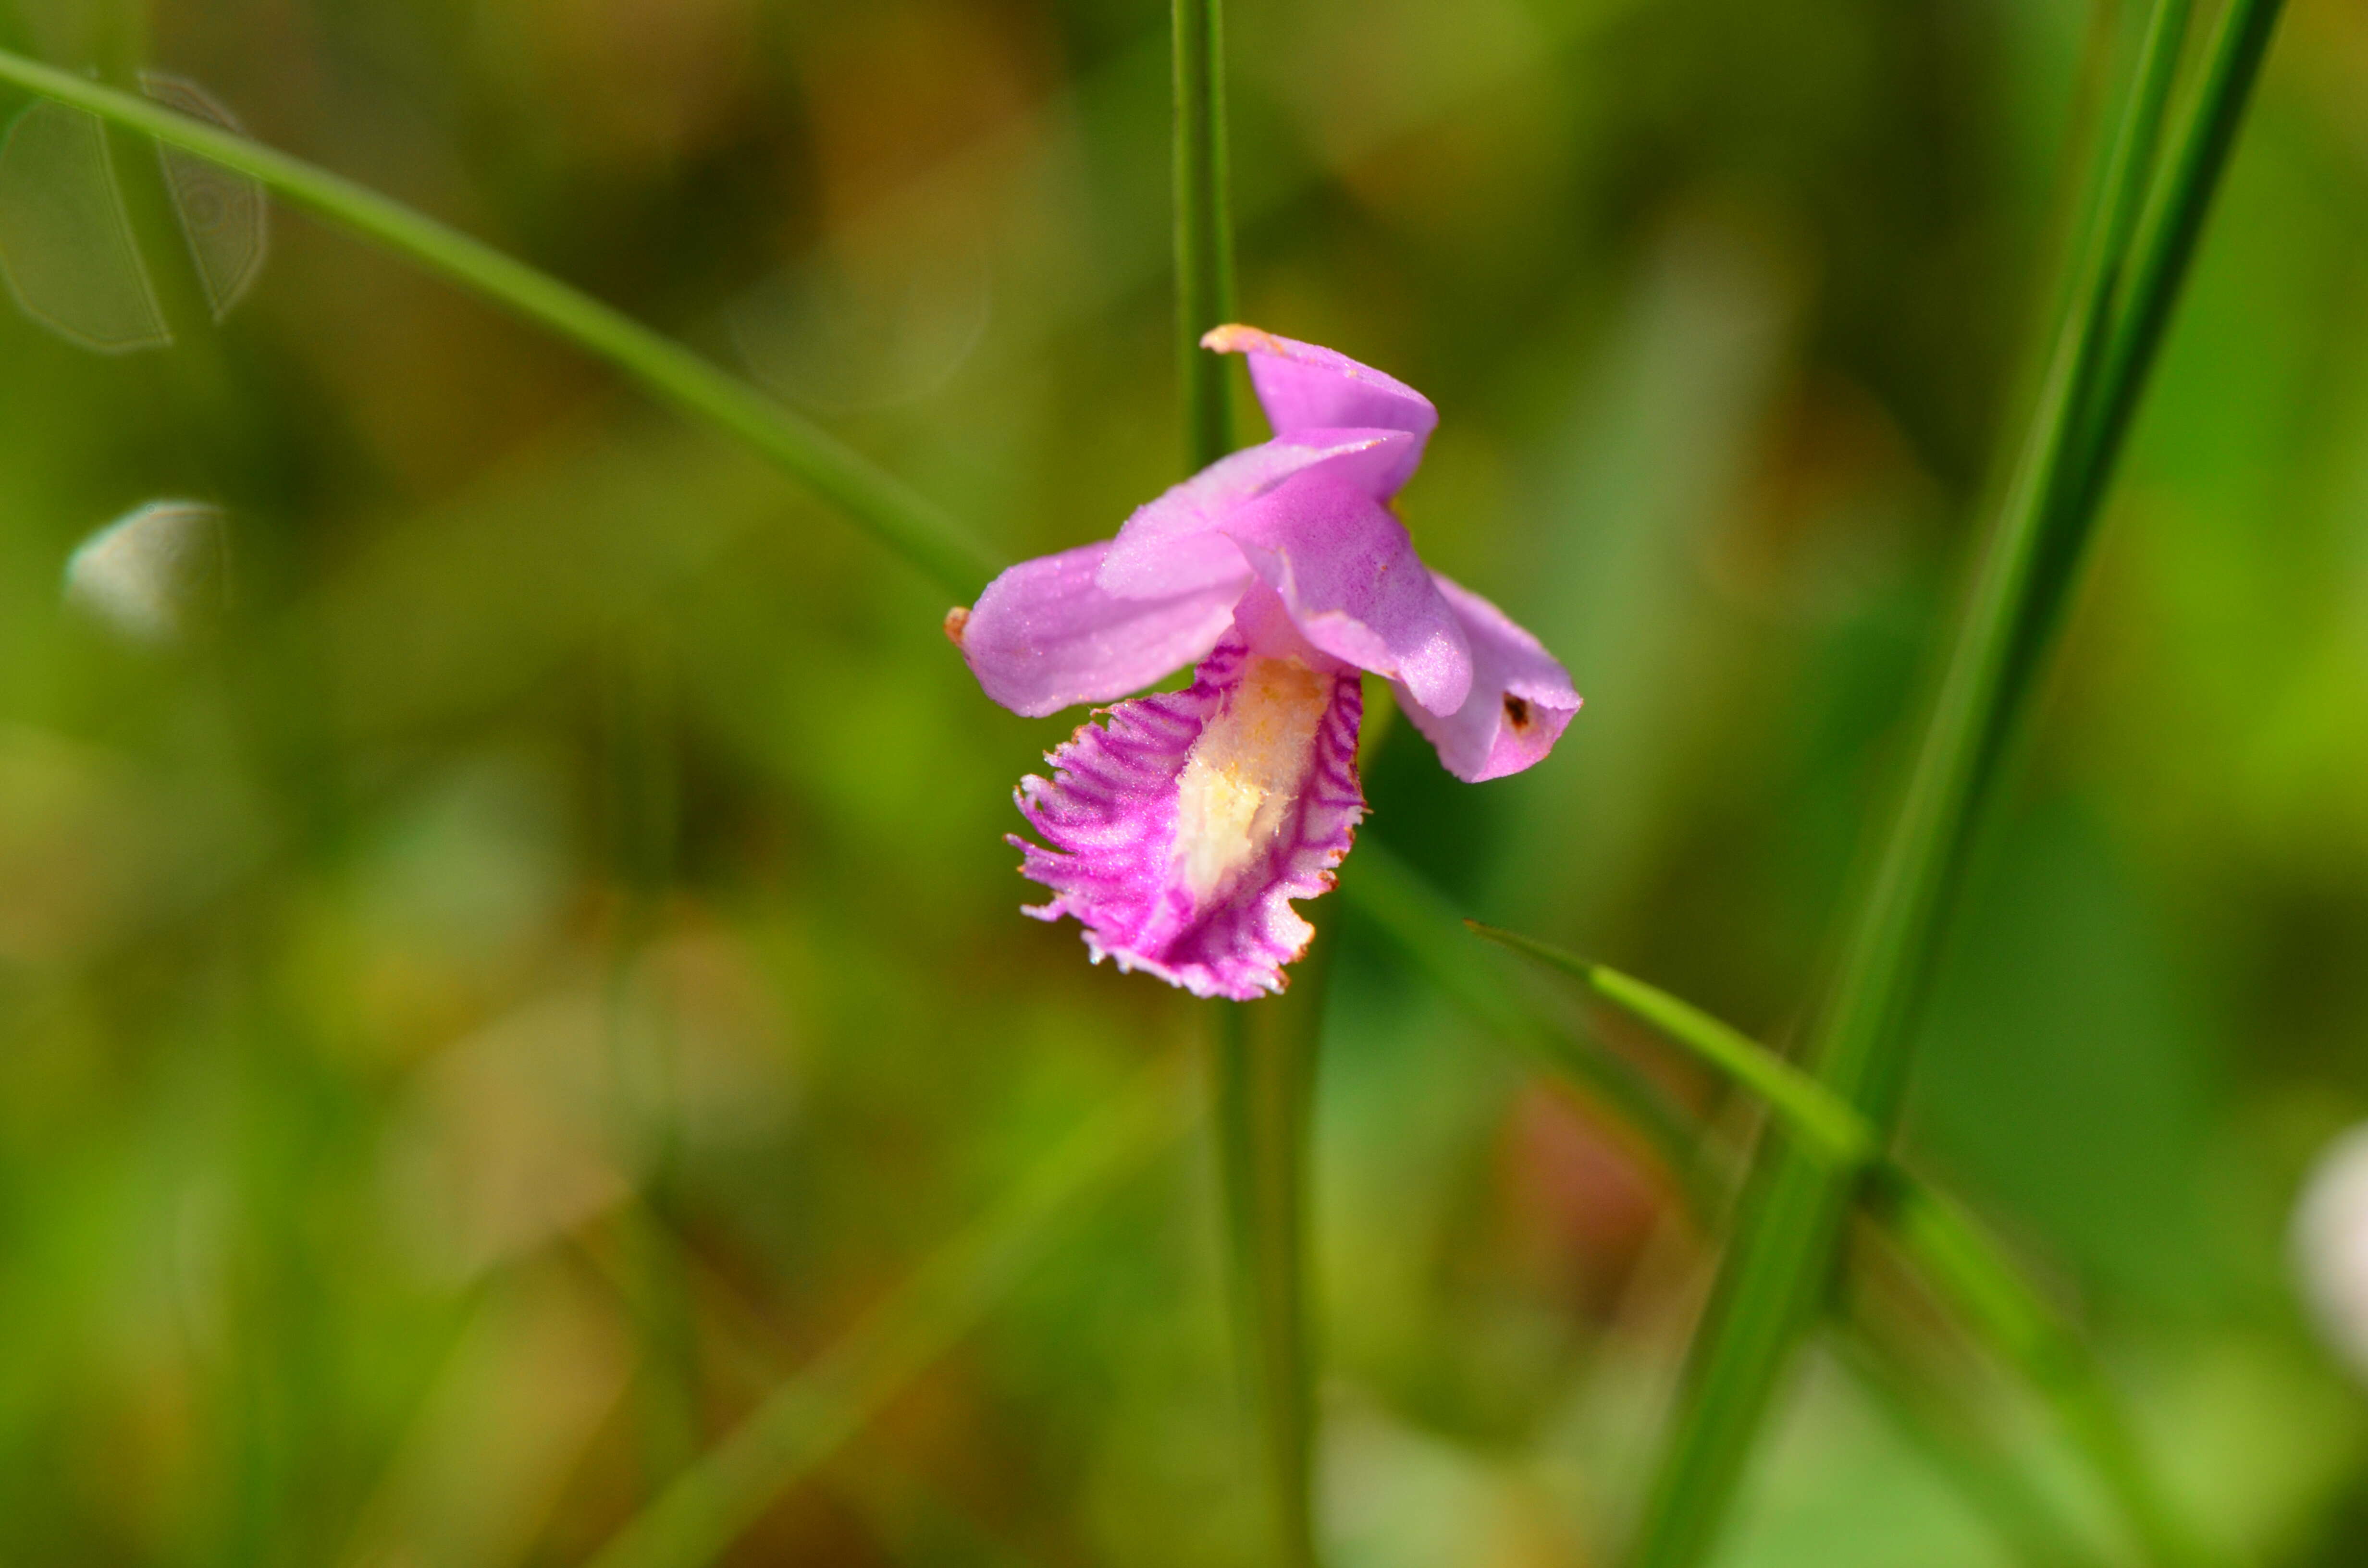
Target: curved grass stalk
<point>911,525</point>
<point>1970,1268</point>
<point>802,1422</point>
<point>2118,309</point>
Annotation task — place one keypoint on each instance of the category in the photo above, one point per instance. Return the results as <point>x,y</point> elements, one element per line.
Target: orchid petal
<point>1164,881</point>
<point>1348,572</point>
<point>1520,703</point>
<point>1174,544</point>
<point>1303,387</point>
<point>1043,637</point>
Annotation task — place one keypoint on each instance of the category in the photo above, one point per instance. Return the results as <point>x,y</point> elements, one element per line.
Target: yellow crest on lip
<point>1245,774</point>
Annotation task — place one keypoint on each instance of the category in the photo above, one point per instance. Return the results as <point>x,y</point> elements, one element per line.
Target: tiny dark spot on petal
<point>1517,712</point>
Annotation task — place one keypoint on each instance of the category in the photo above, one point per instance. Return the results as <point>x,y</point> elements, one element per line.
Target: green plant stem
<point>1780,1262</point>
<point>1262,1067</point>
<point>1954,1253</point>
<point>806,1420</point>
<point>1204,235</point>
<point>911,525</point>
<point>1824,1123</point>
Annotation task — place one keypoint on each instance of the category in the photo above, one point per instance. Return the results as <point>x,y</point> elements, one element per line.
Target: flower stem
<point>1262,1064</point>
<point>1780,1263</point>
<point>1969,1268</point>
<point>1204,230</point>
<point>909,525</point>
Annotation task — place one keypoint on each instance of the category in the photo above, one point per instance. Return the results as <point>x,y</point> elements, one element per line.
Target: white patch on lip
<point>1246,773</point>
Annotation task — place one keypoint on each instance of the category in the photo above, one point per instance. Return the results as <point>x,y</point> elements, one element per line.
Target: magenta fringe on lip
<point>1110,814</point>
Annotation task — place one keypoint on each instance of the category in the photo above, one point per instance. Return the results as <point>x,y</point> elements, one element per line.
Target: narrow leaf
<point>912,527</point>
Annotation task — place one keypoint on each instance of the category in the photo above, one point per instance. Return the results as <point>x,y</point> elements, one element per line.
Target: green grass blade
<point>804,1421</point>
<point>1204,235</point>
<point>1781,1262</point>
<point>908,524</point>
<point>1956,1255</point>
<point>2173,223</point>
<point>1820,1120</point>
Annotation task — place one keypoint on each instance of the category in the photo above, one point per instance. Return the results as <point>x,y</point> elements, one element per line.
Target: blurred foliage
<point>531,960</point>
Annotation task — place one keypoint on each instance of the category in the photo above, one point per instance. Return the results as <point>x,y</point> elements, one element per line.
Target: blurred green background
<point>534,960</point>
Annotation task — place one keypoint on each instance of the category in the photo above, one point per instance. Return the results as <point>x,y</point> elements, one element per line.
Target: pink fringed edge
<point>1109,813</point>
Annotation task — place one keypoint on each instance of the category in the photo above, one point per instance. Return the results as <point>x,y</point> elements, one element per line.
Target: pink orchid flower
<point>1181,830</point>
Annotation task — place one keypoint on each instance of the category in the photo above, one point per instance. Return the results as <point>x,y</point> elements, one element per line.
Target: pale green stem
<point>908,524</point>
<point>1204,232</point>
<point>801,1422</point>
<point>1262,1063</point>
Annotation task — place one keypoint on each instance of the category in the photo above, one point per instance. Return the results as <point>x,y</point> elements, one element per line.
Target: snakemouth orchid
<point>1181,828</point>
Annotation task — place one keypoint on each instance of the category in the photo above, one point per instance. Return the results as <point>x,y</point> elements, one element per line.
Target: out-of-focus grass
<point>309,1115</point>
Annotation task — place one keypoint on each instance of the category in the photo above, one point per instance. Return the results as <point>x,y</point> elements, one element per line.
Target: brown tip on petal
<point>1235,338</point>
<point>956,619</point>
<point>1517,712</point>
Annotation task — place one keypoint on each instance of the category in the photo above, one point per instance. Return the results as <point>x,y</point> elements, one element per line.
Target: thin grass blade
<point>1810,1112</point>
<point>1204,231</point>
<point>909,525</point>
<point>1781,1262</point>
<point>806,1420</point>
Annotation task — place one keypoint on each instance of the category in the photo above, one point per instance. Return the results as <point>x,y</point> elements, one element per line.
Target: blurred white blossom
<point>2331,1244</point>
<point>152,573</point>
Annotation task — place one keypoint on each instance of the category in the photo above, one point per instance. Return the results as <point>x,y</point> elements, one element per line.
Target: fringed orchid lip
<point>1180,830</point>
